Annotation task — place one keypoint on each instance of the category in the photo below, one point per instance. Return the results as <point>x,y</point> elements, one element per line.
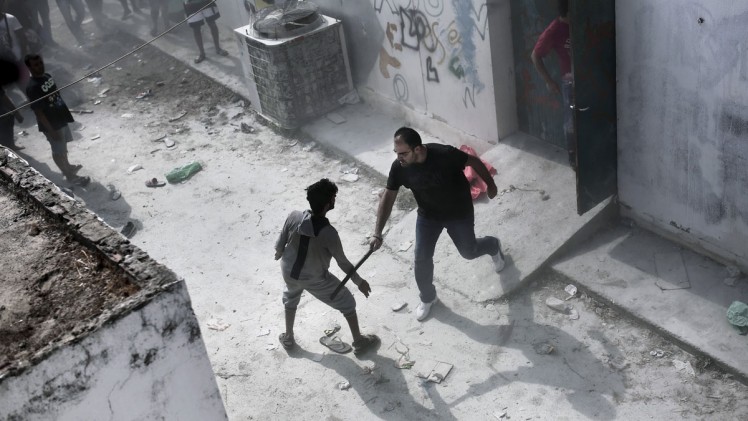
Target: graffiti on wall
<point>446,44</point>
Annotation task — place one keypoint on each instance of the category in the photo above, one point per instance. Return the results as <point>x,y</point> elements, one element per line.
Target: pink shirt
<point>556,38</point>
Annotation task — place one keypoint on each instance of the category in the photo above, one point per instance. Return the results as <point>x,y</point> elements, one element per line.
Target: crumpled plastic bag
<point>737,315</point>
<point>477,185</point>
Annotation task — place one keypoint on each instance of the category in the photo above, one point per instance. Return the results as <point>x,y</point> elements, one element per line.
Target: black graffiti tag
<point>414,29</point>
<point>431,74</point>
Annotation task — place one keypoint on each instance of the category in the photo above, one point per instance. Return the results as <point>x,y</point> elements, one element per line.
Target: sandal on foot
<point>200,58</point>
<point>222,52</point>
<point>364,344</point>
<point>286,341</point>
<point>335,344</point>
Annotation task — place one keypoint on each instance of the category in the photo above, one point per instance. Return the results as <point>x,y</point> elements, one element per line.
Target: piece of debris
<point>82,111</point>
<point>180,174</point>
<point>344,385</point>
<point>684,366</point>
<point>571,290</point>
<point>114,194</point>
<point>405,246</point>
<point>336,118</point>
<point>573,314</point>
<point>217,324</point>
<point>350,98</point>
<point>246,128</point>
<point>333,330</point>
<point>543,348</point>
<point>173,119</point>
<point>94,137</point>
<point>34,230</point>
<point>103,92</point>
<point>23,133</point>
<point>144,94</point>
<point>97,102</point>
<point>399,306</point>
<point>404,363</point>
<point>351,178</point>
<point>368,369</point>
<point>128,230</point>
<point>160,83</point>
<point>737,315</point>
<point>436,371</point>
<point>271,347</point>
<point>263,332</point>
<point>500,416</point>
<point>657,353</point>
<point>127,115</point>
<point>558,305</point>
<point>169,143</point>
<point>134,168</point>
<point>618,363</point>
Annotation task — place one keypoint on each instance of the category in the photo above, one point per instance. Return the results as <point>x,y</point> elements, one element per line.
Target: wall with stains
<point>683,119</point>
<point>435,58</point>
<point>149,364</point>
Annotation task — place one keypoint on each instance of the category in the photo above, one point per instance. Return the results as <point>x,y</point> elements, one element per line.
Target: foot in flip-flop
<point>222,52</point>
<point>153,182</point>
<point>365,343</point>
<point>286,340</point>
<point>335,344</point>
<point>200,58</point>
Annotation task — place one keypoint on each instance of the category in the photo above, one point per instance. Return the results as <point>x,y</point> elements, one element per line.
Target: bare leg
<point>216,40</point>
<point>199,41</point>
<point>352,320</point>
<point>290,318</point>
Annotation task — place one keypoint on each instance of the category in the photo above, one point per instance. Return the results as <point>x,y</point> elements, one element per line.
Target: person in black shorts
<point>52,116</point>
<point>434,173</point>
<point>199,12</point>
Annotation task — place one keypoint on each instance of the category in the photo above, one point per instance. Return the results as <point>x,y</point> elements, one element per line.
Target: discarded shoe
<point>335,344</point>
<point>153,182</point>
<point>498,260</point>
<point>286,341</point>
<point>128,230</point>
<point>365,343</point>
<point>423,309</point>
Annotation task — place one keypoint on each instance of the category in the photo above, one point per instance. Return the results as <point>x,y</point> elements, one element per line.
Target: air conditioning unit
<point>296,65</point>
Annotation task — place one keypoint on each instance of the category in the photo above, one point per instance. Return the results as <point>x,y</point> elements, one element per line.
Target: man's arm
<point>336,249</point>
<point>383,214</point>
<point>482,171</point>
<point>46,125</point>
<point>551,84</point>
<point>280,243</point>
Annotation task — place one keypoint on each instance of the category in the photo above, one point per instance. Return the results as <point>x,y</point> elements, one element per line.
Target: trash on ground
<point>263,332</point>
<point>180,174</point>
<point>437,371</point>
<point>336,118</point>
<point>657,353</point>
<point>144,94</point>
<point>618,363</point>
<point>97,102</point>
<point>344,385</point>
<point>23,133</point>
<point>94,137</point>
<point>558,305</point>
<point>246,128</point>
<point>571,290</point>
<point>349,98</point>
<point>500,415</point>
<point>543,348</point>
<point>114,194</point>
<point>405,246</point>
<point>160,83</point>
<point>737,315</point>
<point>134,168</point>
<point>173,119</point>
<point>217,324</point>
<point>404,363</point>
<point>399,306</point>
<point>573,314</point>
<point>169,143</point>
<point>684,366</point>
<point>271,347</point>
<point>153,182</point>
<point>128,230</point>
<point>103,92</point>
<point>82,111</point>
<point>127,115</point>
<point>333,330</point>
<point>351,178</point>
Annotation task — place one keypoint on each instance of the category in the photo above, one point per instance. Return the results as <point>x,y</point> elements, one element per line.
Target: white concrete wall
<point>683,119</point>
<point>151,364</point>
<point>434,58</point>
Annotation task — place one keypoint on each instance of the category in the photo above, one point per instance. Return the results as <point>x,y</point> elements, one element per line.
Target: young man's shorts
<point>321,289</point>
<point>209,14</point>
<point>60,147</point>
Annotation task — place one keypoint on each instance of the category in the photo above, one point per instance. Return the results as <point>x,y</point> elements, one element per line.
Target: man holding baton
<point>305,246</point>
<point>435,174</point>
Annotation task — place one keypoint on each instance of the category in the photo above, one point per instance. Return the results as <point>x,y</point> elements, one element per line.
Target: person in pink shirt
<point>556,39</point>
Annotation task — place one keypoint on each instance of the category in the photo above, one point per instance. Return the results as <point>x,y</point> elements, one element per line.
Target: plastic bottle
<point>180,174</point>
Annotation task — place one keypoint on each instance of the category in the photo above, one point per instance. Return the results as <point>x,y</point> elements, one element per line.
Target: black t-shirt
<point>438,184</point>
<point>53,107</point>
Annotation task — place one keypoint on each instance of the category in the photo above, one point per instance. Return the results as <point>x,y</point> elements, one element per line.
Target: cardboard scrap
<point>437,371</point>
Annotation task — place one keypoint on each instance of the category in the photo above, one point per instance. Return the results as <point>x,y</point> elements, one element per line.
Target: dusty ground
<point>217,231</point>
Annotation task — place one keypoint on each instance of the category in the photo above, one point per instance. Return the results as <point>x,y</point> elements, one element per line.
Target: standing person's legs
<point>427,234</point>
<point>197,33</point>
<point>60,153</point>
<point>462,233</point>
<point>126,12</point>
<point>216,37</point>
<point>46,25</point>
<point>74,23</point>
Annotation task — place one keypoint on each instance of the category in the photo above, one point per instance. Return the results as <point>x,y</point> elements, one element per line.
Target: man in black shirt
<point>52,116</point>
<point>435,174</point>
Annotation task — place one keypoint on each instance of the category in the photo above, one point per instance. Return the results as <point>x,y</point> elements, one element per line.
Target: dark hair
<point>321,193</point>
<point>32,56</point>
<point>563,8</point>
<point>409,136</point>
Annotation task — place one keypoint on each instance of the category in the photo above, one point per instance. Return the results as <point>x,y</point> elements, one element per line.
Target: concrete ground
<point>493,328</point>
<point>534,231</point>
